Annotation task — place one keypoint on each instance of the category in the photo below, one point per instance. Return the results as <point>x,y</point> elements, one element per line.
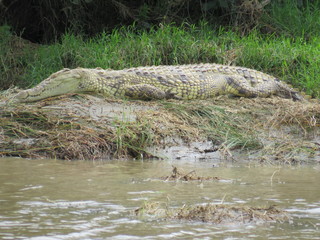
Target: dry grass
<point>271,130</point>
<point>64,127</point>
<point>213,213</point>
<point>30,133</point>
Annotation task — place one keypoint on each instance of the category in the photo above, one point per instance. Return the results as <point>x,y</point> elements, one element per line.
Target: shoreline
<point>77,126</point>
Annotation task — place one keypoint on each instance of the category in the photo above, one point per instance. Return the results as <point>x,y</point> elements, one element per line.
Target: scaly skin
<point>198,81</point>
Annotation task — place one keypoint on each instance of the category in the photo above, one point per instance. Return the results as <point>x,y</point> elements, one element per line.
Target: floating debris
<point>213,213</point>
<point>178,175</point>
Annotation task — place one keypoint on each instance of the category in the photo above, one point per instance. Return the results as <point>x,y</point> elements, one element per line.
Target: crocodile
<point>193,81</point>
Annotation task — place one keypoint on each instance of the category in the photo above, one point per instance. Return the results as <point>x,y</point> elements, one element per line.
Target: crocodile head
<point>62,82</point>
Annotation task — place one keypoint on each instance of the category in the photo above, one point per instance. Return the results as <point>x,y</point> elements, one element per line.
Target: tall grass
<point>293,18</point>
<point>295,61</point>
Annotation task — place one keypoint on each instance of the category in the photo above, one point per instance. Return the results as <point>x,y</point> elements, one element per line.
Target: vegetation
<point>212,213</point>
<point>275,131</point>
<point>47,20</point>
<point>293,18</point>
<point>220,126</point>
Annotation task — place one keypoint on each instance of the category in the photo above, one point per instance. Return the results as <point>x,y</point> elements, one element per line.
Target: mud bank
<point>271,130</point>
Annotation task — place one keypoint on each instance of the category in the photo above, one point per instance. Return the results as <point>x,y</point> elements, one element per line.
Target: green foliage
<point>13,58</point>
<point>132,138</point>
<point>5,59</point>
<point>294,61</point>
<point>47,20</point>
<point>293,18</point>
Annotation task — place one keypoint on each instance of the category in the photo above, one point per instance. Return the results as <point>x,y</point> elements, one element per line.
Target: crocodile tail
<point>286,91</point>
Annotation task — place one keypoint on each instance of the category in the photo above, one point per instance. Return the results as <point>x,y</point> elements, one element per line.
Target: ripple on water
<point>96,200</point>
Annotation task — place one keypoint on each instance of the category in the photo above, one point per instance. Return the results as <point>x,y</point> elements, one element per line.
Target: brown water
<point>52,199</point>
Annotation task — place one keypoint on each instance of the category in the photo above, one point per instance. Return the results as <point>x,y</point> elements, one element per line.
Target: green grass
<point>294,60</point>
<point>293,18</point>
<point>132,139</point>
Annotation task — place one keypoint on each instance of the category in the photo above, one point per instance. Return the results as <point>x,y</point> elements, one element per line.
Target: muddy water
<point>52,199</point>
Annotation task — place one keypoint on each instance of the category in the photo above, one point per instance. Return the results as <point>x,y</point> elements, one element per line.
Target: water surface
<point>53,199</point>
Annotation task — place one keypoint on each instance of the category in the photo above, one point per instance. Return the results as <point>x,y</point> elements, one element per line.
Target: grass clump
<point>226,129</point>
<point>132,139</point>
<point>213,213</point>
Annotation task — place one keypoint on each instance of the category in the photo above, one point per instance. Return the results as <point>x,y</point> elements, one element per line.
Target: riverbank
<point>86,127</point>
<point>271,130</point>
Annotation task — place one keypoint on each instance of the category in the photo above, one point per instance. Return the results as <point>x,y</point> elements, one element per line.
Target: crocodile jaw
<point>62,82</point>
